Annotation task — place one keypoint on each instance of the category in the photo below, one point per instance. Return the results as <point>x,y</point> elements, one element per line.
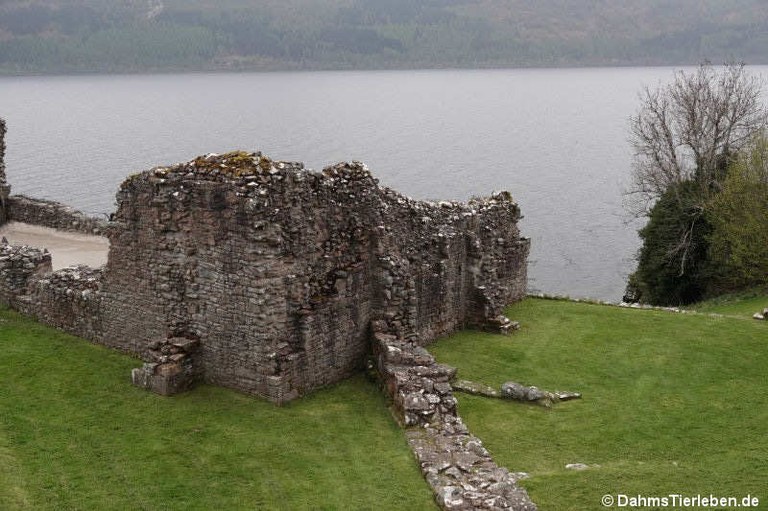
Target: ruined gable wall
<point>449,265</point>
<point>269,271</point>
<point>279,271</point>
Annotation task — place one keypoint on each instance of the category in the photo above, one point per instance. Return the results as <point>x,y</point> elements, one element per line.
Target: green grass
<point>75,435</point>
<point>672,403</point>
<point>743,304</point>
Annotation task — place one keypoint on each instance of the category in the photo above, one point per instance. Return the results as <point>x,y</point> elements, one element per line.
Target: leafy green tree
<point>739,216</point>
<point>672,264</point>
<point>685,136</point>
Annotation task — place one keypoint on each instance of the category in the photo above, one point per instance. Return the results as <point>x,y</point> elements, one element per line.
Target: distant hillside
<point>54,36</point>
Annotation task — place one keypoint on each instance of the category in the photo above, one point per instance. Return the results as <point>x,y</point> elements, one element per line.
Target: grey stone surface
<point>515,391</point>
<point>518,392</point>
<point>280,272</point>
<point>5,188</point>
<point>478,389</point>
<point>52,214</point>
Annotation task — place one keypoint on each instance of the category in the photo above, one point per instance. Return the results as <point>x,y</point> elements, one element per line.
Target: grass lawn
<point>673,403</point>
<point>743,304</point>
<point>75,435</point>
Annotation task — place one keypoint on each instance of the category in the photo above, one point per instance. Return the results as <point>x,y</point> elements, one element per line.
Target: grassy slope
<point>742,305</point>
<point>672,403</point>
<point>74,434</point>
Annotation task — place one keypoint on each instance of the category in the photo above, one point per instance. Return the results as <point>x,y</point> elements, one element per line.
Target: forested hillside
<point>143,35</point>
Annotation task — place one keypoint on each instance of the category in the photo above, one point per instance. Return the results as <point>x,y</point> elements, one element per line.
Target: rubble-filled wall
<point>278,271</point>
<point>266,277</point>
<point>48,213</point>
<point>5,189</point>
<point>19,268</point>
<point>67,299</point>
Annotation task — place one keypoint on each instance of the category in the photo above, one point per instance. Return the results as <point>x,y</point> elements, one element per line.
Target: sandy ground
<point>67,248</point>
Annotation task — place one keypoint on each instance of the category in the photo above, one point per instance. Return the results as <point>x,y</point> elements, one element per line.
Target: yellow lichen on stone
<point>234,164</point>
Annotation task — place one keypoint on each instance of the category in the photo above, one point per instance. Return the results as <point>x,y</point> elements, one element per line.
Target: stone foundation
<point>460,471</point>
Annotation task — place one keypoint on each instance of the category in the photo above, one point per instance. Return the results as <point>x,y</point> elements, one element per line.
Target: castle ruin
<point>275,280</point>
<point>270,276</point>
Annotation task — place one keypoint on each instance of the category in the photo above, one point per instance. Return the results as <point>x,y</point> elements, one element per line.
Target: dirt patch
<point>66,248</point>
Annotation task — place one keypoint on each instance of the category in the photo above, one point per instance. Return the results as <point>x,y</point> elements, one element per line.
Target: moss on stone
<point>234,164</point>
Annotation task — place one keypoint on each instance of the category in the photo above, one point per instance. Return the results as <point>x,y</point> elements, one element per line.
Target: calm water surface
<point>556,139</point>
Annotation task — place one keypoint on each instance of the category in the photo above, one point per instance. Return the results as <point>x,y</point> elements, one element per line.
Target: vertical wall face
<point>5,189</point>
<point>450,265</point>
<point>268,278</point>
<point>269,271</point>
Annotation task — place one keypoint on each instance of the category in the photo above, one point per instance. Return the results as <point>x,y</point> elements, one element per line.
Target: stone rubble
<point>515,391</point>
<point>460,471</point>
<point>173,368</point>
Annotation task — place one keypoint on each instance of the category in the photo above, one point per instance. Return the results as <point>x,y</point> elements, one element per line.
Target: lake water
<point>556,139</point>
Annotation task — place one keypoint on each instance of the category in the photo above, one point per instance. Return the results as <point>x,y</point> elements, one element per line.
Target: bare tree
<point>688,130</point>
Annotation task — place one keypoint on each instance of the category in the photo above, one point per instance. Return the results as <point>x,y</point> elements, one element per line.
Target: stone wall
<point>52,214</point>
<point>67,299</point>
<point>20,266</point>
<point>5,189</point>
<point>279,271</point>
<point>275,280</point>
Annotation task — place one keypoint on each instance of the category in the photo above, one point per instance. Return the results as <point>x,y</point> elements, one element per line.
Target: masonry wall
<point>279,271</point>
<point>5,189</point>
<point>276,274</point>
<point>55,215</point>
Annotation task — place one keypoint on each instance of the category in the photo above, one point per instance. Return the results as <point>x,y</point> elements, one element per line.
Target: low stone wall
<point>460,471</point>
<point>69,299</point>
<point>20,267</point>
<point>52,214</point>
